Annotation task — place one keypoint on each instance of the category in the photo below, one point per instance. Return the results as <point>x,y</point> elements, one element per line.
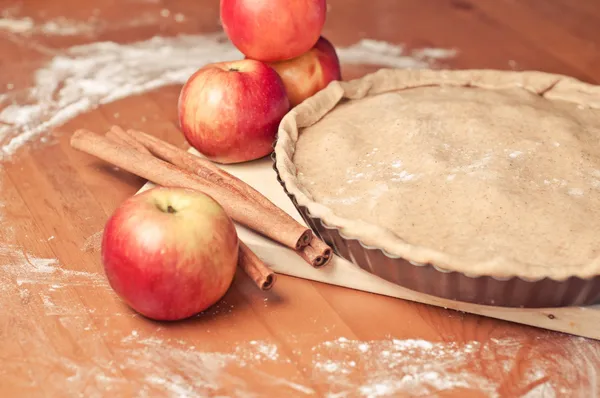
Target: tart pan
<point>429,279</point>
<point>506,291</point>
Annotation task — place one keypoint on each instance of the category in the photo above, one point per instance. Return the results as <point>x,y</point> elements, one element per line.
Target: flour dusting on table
<point>338,368</point>
<point>93,242</point>
<point>67,27</point>
<point>396,367</point>
<point>389,367</point>
<point>82,77</point>
<point>61,26</point>
<point>21,268</point>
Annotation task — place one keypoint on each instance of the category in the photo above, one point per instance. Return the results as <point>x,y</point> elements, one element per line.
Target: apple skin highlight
<point>170,253</point>
<point>273,30</point>
<point>230,111</point>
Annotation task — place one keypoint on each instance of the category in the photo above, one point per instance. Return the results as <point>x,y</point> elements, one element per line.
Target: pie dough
<point>482,172</point>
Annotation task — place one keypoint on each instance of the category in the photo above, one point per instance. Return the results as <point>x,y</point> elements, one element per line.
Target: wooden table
<point>63,332</point>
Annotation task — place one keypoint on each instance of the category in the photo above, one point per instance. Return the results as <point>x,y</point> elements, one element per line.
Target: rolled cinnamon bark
<point>239,207</point>
<point>317,253</point>
<point>293,231</point>
<point>120,136</point>
<point>314,250</point>
<point>262,275</point>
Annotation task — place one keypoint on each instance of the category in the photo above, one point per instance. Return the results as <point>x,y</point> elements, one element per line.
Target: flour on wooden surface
<point>82,77</point>
<point>169,368</point>
<point>375,52</point>
<point>61,26</point>
<point>93,242</point>
<point>20,268</point>
<point>395,367</point>
<point>340,367</point>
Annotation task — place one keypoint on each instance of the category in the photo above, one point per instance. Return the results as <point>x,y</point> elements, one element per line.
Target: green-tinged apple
<point>230,111</point>
<point>309,73</point>
<point>273,30</point>
<point>170,253</point>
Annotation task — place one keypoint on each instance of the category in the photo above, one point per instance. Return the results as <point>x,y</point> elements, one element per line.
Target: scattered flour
<point>575,191</point>
<point>434,53</point>
<point>171,370</point>
<point>83,77</point>
<point>515,154</point>
<point>420,368</point>
<point>393,367</point>
<point>93,242</point>
<point>61,26</point>
<point>337,368</point>
<point>374,52</point>
<point>16,25</point>
<point>21,271</point>
<point>16,266</point>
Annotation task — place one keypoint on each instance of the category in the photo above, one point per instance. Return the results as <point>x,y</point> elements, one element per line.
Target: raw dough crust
<point>483,172</point>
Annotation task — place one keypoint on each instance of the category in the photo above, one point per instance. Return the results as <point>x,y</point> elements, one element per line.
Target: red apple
<point>273,30</point>
<point>170,253</point>
<point>230,111</point>
<point>303,76</point>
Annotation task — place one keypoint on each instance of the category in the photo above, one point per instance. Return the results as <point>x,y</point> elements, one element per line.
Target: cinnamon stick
<point>116,138</point>
<point>315,252</point>
<point>262,275</point>
<point>244,211</point>
<point>120,136</point>
<point>293,232</point>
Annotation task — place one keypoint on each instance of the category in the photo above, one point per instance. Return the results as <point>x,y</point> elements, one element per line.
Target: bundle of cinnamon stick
<point>167,165</point>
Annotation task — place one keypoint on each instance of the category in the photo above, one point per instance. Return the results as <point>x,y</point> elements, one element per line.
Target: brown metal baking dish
<point>510,291</point>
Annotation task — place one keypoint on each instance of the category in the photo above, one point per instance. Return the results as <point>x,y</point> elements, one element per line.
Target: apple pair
<point>286,34</point>
<point>230,111</point>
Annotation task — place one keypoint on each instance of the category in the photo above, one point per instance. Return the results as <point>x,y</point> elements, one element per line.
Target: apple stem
<point>234,70</point>
<point>170,209</point>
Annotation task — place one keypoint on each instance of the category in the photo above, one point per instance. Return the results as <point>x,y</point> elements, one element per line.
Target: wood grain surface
<point>64,333</point>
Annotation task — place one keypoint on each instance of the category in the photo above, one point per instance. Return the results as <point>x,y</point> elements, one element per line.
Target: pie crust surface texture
<point>482,172</point>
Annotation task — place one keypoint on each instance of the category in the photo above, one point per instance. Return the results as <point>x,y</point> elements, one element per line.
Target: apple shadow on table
<point>242,297</point>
